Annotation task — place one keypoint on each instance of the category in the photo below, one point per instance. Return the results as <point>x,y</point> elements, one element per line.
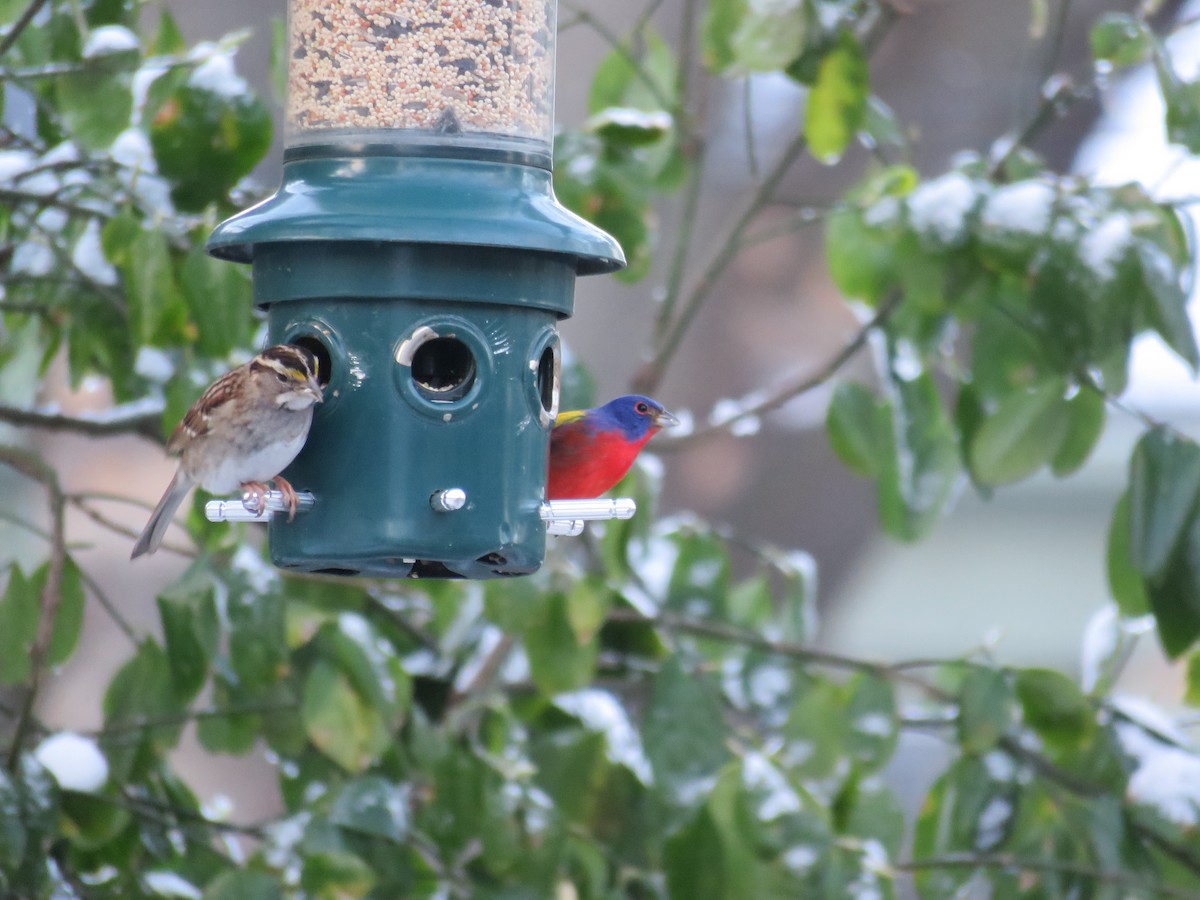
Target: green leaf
<point>205,139</point>
<point>769,36</point>
<point>143,258</point>
<point>168,40</point>
<point>257,638</point>
<point>837,102</point>
<point>621,126</point>
<point>94,821</point>
<point>1055,707</point>
<point>699,581</point>
<point>1124,581</point>
<point>871,721</point>
<point>1119,39</point>
<point>188,612</point>
<point>817,722</point>
<point>858,425</point>
<point>1183,105</point>
<point>97,104</point>
<point>683,732</point>
<point>1167,303</point>
<point>68,621</point>
<point>721,21</point>
<point>861,258</point>
<point>336,875</point>
<point>244,884</point>
<point>642,80</point>
<point>373,806</point>
<point>1174,595</point>
<point>558,660</point>
<point>1164,480</point>
<point>985,709</point>
<point>139,695</point>
<point>18,626</point>
<point>588,602</point>
<point>339,722</point>
<point>1086,416</point>
<point>1024,433</point>
<point>219,300</point>
<point>13,836</point>
<point>949,821</point>
<point>232,732</point>
<point>1192,685</point>
<point>693,859</point>
<point>923,463</point>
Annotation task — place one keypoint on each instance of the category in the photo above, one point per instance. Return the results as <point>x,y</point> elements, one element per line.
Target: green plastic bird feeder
<point>417,249</point>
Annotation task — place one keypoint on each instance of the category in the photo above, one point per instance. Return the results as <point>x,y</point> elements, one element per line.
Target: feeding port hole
<point>546,378</point>
<point>321,352</point>
<point>443,369</point>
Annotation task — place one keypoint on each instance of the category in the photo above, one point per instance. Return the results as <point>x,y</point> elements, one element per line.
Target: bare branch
<point>141,417</point>
<point>19,26</point>
<point>762,403</point>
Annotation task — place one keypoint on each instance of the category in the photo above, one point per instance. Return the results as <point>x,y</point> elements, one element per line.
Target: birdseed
<point>443,67</point>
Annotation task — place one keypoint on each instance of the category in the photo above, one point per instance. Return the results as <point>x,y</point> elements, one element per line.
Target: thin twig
<point>138,725</point>
<point>488,670</point>
<point>786,391</point>
<point>1015,863</point>
<point>104,521</point>
<point>20,25</point>
<point>669,337</point>
<point>109,607</point>
<point>610,37</point>
<point>142,418</point>
<point>799,652</point>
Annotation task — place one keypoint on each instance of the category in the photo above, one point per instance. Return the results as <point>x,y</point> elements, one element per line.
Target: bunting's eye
<point>642,408</point>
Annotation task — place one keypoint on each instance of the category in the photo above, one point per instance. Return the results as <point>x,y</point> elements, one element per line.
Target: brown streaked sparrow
<point>242,432</point>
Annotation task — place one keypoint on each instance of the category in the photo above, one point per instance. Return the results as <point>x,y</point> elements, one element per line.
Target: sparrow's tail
<point>152,534</point>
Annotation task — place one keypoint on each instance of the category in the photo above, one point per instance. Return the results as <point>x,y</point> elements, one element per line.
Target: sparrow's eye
<point>642,408</point>
<point>283,377</point>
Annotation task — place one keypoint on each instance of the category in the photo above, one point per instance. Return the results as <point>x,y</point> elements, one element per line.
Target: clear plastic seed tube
<point>435,72</point>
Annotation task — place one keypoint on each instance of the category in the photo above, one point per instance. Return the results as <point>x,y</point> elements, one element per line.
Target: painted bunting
<point>592,449</point>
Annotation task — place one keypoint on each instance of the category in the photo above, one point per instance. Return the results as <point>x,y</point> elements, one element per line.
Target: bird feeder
<point>416,248</point>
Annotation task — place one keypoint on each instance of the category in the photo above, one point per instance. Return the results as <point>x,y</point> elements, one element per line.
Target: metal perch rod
<point>562,517</point>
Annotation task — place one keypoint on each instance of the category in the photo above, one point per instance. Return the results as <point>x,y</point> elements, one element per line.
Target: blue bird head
<point>636,416</point>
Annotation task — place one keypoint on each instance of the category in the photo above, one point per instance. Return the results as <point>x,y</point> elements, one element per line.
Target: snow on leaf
<point>108,39</point>
<point>600,712</point>
<point>1022,208</point>
<point>938,209</point>
<point>74,760</point>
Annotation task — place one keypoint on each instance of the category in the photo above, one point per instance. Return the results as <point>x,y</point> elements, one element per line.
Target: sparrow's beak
<point>664,419</point>
<point>314,388</point>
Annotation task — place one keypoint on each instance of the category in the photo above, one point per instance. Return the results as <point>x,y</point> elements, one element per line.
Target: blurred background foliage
<point>651,714</point>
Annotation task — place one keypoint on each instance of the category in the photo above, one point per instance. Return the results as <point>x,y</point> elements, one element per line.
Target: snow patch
<point>163,883</point>
<point>1103,247</point>
<point>88,256</point>
<point>1021,208</point>
<point>600,712</point>
<point>939,208</point>
<point>74,760</point>
<point>218,75</point>
<point>109,39</point>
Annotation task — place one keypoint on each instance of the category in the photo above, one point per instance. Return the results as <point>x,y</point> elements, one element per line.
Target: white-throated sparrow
<point>242,432</point>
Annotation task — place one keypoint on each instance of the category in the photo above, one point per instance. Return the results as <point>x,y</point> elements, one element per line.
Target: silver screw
<point>448,499</point>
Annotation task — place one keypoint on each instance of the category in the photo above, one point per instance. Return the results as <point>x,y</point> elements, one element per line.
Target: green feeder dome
<point>417,249</point>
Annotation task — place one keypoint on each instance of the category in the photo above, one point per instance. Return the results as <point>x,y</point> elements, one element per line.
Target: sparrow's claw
<point>289,495</point>
<point>254,497</point>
